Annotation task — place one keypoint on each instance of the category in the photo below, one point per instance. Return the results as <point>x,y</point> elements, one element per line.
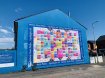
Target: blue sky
<point>83,11</point>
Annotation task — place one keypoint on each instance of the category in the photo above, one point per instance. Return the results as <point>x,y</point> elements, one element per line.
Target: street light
<point>94,37</point>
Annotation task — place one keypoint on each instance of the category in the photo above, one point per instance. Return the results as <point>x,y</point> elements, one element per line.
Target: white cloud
<point>17,10</point>
<point>12,30</point>
<point>4,40</point>
<point>7,45</point>
<point>4,31</point>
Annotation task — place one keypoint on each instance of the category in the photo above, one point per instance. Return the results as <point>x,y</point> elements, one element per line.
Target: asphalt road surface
<point>78,71</point>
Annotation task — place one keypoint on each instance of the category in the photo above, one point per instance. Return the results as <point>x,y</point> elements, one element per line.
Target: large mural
<point>55,45</point>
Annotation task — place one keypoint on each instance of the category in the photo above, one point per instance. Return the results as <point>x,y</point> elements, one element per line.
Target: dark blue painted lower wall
<point>8,61</point>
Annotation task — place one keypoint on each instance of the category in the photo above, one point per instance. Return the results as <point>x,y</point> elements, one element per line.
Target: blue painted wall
<point>54,19</point>
<point>8,56</point>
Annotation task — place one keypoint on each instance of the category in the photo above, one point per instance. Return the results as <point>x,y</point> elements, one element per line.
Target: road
<point>78,71</point>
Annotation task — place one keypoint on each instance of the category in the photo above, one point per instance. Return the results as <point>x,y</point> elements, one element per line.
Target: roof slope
<point>56,17</point>
<point>101,38</point>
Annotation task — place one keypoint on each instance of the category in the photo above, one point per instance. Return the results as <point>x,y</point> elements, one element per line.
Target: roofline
<point>33,15</point>
<point>100,38</point>
<point>47,11</point>
<point>79,23</point>
<point>91,40</point>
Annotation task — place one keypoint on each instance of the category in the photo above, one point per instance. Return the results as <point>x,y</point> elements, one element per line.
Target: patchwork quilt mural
<point>55,45</point>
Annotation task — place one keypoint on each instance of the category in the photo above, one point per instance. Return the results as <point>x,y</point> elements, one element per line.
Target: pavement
<point>76,71</point>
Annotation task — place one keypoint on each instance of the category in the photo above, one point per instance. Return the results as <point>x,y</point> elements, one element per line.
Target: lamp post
<point>94,37</point>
